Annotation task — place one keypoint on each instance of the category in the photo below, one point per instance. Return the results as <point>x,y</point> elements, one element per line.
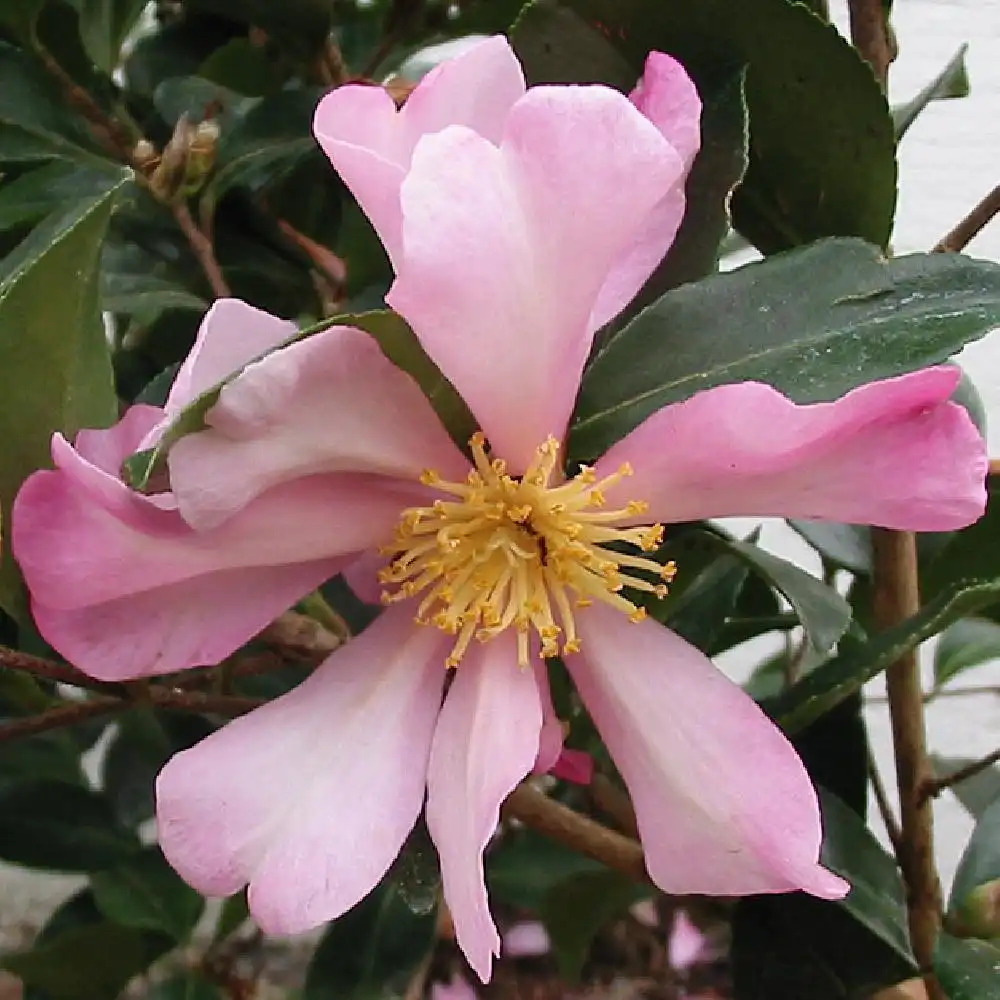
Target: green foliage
<point>814,323</point>
<point>951,82</point>
<point>968,643</point>
<point>968,970</point>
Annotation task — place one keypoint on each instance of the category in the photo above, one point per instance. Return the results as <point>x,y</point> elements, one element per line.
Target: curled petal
<point>550,742</point>
<point>370,142</point>
<point>506,250</point>
<point>309,798</point>
<point>896,453</point>
<point>723,803</point>
<point>330,403</point>
<point>486,742</point>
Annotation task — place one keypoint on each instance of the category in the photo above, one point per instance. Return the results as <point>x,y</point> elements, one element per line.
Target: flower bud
<point>978,914</point>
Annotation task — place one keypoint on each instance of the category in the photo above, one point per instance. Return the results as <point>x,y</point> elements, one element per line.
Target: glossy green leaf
<point>399,345</point>
<point>951,82</point>
<point>574,911</point>
<point>846,672</point>
<point>970,642</point>
<point>88,962</point>
<point>980,860</point>
<point>35,122</point>
<point>845,546</point>
<point>795,946</point>
<point>53,187</point>
<point>147,893</point>
<point>416,872</point>
<point>968,970</point>
<point>299,25</point>
<point>55,369</point>
<point>61,827</point>
<point>103,27</point>
<point>370,952</point>
<point>814,322</point>
<point>822,153</point>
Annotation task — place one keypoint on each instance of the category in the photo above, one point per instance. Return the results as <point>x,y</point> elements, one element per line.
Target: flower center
<point>503,551</point>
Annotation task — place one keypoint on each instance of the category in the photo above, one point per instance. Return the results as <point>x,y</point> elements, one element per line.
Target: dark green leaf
<point>795,946</point>
<point>372,951</point>
<point>980,860</point>
<point>824,614</point>
<point>185,986</point>
<point>35,122</point>
<point>20,17</point>
<point>845,673</point>
<point>299,25</point>
<point>968,970</point>
<point>243,67</point>
<point>416,872</point>
<point>62,827</point>
<point>148,894</point>
<point>575,910</point>
<point>814,323</point>
<point>822,152</point>
<point>90,962</point>
<point>55,369</point>
<point>970,642</point>
<point>50,188</point>
<point>952,81</point>
<point>103,27</point>
<point>845,546</point>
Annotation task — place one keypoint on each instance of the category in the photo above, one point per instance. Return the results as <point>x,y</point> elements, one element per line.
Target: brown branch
<point>871,36</point>
<point>614,803</point>
<point>579,832</point>
<point>896,598</point>
<point>59,673</point>
<point>936,786</point>
<point>202,701</point>
<point>203,249</point>
<point>969,227</point>
<point>67,714</point>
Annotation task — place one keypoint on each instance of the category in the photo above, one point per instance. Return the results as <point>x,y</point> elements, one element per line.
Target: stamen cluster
<point>503,551</point>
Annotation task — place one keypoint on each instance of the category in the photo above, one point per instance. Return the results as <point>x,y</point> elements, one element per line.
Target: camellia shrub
<point>372,402</point>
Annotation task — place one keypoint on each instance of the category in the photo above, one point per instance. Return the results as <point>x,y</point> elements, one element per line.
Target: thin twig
<point>581,833</point>
<point>203,701</point>
<point>59,673</point>
<point>203,249</point>
<point>970,226</point>
<point>936,786</point>
<point>67,714</point>
<point>884,805</point>
<point>871,36</point>
<point>896,598</point>
<point>614,803</point>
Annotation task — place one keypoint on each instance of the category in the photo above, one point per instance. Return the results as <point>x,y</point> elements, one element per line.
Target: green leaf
<point>147,893</point>
<point>718,168</point>
<point>398,343</point>
<point>824,614</point>
<point>50,188</point>
<point>844,546</point>
<point>371,951</point>
<point>61,827</point>
<point>301,26</point>
<point>20,16</point>
<point>416,872</point>
<point>970,642</point>
<point>55,368</point>
<point>35,122</point>
<point>951,82</point>
<point>968,970</point>
<point>794,946</point>
<point>185,986</point>
<point>976,793</point>
<point>814,323</point>
<point>980,860</point>
<point>845,673</point>
<point>574,911</point>
<point>232,916</point>
<point>822,151</point>
<point>103,27</point>
<point>90,962</point>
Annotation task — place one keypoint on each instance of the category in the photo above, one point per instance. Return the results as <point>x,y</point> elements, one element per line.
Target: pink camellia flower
<point>518,222</point>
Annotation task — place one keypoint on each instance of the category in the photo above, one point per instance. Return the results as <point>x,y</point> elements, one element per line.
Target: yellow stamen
<point>506,552</point>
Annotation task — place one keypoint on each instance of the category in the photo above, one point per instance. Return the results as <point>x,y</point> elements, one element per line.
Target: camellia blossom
<point>518,222</point>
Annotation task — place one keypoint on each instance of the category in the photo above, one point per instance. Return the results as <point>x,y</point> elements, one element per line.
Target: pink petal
<point>107,448</point>
<point>486,742</point>
<point>687,944</point>
<point>550,740</point>
<point>370,142</point>
<point>506,250</point>
<point>894,453</point>
<point>232,334</point>
<point>124,588</point>
<point>723,803</point>
<point>576,766</point>
<point>330,403</point>
<point>668,98</point>
<point>362,576</point>
<point>309,798</point>
<point>528,939</point>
